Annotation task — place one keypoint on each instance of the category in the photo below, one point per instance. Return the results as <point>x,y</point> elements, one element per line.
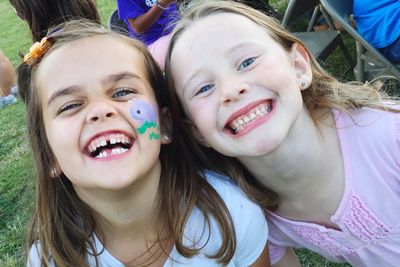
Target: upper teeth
<point>112,138</point>
<point>239,123</point>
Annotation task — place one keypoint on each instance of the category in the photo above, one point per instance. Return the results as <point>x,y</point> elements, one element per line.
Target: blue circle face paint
<point>142,111</point>
<point>145,113</point>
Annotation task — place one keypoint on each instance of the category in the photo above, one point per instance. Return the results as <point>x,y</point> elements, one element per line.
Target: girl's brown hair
<point>63,224</point>
<point>43,14</point>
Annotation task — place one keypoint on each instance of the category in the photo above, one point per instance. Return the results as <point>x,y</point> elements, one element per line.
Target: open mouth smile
<point>109,144</point>
<point>241,122</point>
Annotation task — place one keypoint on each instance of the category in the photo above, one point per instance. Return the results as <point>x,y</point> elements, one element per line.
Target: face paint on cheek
<point>145,113</point>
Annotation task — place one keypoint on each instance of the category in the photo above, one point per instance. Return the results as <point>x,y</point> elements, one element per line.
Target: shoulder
<point>206,235</point>
<point>228,190</point>
<point>370,139</point>
<point>104,257</point>
<point>367,118</point>
<point>248,218</point>
<point>34,256</point>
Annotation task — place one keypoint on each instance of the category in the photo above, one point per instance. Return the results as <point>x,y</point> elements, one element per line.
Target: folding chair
<point>116,24</point>
<point>321,44</point>
<point>370,62</point>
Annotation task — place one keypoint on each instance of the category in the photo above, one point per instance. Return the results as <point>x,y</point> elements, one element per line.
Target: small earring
<point>166,138</point>
<point>55,172</point>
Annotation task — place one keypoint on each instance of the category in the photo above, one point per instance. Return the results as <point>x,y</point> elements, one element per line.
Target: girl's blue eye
<point>122,92</point>
<point>247,62</point>
<point>204,89</point>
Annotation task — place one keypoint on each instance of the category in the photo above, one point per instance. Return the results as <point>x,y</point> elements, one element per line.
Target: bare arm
<point>263,260</point>
<point>143,22</point>
<point>7,75</point>
<point>289,259</point>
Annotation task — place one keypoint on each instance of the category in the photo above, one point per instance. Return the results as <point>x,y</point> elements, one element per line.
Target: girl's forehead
<point>223,25</point>
<point>224,20</point>
<point>87,61</point>
<point>91,52</point>
<point>221,30</point>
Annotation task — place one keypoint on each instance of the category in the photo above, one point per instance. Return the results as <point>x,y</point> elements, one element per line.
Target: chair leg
<point>360,63</point>
<point>313,19</point>
<point>327,18</point>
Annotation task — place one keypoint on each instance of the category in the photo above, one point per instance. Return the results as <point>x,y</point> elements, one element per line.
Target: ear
<point>302,66</point>
<point>195,132</point>
<point>166,126</point>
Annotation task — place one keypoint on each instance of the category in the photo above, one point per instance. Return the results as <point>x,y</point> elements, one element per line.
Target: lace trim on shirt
<point>321,239</point>
<point>362,222</point>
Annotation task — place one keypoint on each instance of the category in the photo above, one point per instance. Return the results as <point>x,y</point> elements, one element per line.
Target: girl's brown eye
<point>68,106</point>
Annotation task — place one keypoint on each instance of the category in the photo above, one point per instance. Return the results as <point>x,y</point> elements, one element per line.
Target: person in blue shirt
<point>378,21</point>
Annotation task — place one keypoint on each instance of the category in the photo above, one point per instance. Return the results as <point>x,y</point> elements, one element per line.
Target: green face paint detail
<point>147,125</point>
<point>145,113</point>
<point>153,135</point>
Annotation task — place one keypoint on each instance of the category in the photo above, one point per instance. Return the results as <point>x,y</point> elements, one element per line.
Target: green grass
<point>16,163</point>
<point>16,184</point>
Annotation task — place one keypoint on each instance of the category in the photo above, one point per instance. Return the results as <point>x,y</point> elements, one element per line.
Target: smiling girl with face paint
<point>116,182</point>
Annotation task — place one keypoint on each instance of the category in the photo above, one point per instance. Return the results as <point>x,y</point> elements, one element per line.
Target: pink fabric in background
<point>158,49</point>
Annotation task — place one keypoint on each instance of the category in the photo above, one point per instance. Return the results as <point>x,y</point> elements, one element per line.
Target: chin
<point>265,148</point>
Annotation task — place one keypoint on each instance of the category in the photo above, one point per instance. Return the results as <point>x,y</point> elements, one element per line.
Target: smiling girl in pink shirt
<point>250,90</point>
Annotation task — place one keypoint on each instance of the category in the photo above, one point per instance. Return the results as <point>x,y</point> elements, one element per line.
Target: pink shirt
<point>369,212</point>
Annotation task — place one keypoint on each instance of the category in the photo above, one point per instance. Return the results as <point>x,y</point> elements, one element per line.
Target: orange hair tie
<point>37,51</point>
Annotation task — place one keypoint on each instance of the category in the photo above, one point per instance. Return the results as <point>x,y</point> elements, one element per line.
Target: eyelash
<point>124,90</point>
<point>68,106</point>
<point>201,91</point>
<point>248,61</point>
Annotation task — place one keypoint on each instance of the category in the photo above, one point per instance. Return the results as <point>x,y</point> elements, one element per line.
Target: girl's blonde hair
<point>324,93</point>
<point>63,224</point>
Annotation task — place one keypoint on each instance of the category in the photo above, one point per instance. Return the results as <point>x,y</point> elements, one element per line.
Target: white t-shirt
<point>250,227</point>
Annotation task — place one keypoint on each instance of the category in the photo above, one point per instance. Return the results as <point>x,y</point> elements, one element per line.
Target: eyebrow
<point>191,77</point>
<point>240,46</point>
<point>235,47</point>
<point>64,91</point>
<point>121,76</point>
<point>112,79</point>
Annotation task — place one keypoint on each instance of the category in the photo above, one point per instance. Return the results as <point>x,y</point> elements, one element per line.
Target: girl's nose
<point>233,90</point>
<point>100,111</point>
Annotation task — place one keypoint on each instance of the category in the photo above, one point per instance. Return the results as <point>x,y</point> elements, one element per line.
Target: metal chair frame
<point>321,44</point>
<point>370,62</point>
<point>116,24</point>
